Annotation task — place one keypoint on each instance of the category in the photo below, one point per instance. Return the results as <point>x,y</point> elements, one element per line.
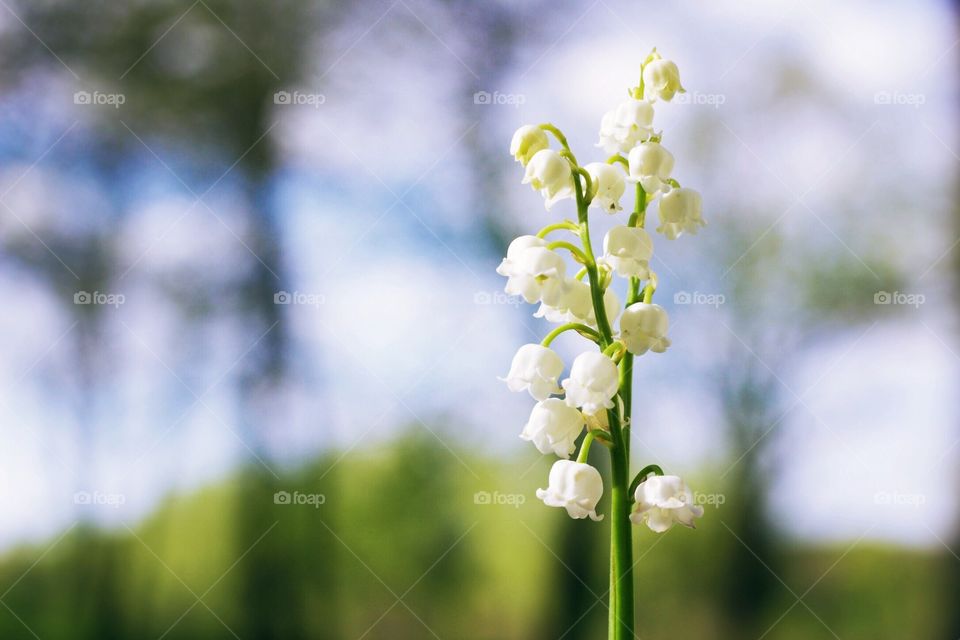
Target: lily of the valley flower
<point>610,186</point>
<point>532,270</point>
<point>626,126</point>
<point>573,303</point>
<point>527,141</point>
<point>661,79</point>
<point>662,501</point>
<point>643,327</point>
<point>549,173</point>
<point>575,486</point>
<point>593,381</point>
<point>627,250</point>
<point>681,211</point>
<point>536,369</point>
<point>553,427</point>
<point>511,264</point>
<point>650,165</point>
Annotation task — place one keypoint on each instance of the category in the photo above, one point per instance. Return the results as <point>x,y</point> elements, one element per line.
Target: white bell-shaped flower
<point>661,79</point>
<point>511,264</point>
<point>536,369</point>
<point>626,126</point>
<point>553,427</point>
<point>575,486</point>
<point>681,211</point>
<point>527,140</point>
<point>610,186</point>
<point>662,501</point>
<point>627,250</point>
<point>650,165</point>
<point>643,327</point>
<point>574,303</point>
<point>593,382</point>
<point>532,270</point>
<point>549,173</point>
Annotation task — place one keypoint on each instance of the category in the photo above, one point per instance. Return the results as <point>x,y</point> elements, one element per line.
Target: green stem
<point>615,158</point>
<point>626,394</point>
<point>559,226</point>
<point>578,255</point>
<point>621,529</point>
<point>633,295</point>
<point>648,291</point>
<point>562,139</point>
<point>621,567</point>
<point>615,351</point>
<point>621,536</point>
<point>603,437</point>
<point>638,217</point>
<point>582,329</point>
<point>585,447</point>
<point>592,185</point>
<point>640,477</point>
<point>596,293</point>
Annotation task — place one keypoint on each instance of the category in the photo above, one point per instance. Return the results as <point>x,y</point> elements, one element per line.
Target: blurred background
<point>252,327</point>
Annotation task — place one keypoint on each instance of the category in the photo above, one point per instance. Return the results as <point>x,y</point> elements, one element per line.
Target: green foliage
<point>403,520</point>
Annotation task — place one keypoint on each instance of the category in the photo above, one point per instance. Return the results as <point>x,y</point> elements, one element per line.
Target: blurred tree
<point>951,563</point>
<point>819,295</point>
<point>200,77</point>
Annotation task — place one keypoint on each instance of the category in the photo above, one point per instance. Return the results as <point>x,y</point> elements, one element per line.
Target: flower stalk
<point>598,394</point>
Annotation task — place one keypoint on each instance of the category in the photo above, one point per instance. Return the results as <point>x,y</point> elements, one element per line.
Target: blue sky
<point>379,222</point>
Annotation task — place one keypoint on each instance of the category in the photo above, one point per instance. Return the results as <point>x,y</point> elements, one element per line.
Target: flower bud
<point>650,165</point>
<point>535,368</point>
<point>593,382</point>
<point>549,173</point>
<point>532,270</point>
<point>662,501</point>
<point>661,79</point>
<point>553,427</point>
<point>527,140</point>
<point>627,250</point>
<point>575,486</point>
<point>599,420</point>
<point>680,212</point>
<point>643,327</point>
<point>610,186</point>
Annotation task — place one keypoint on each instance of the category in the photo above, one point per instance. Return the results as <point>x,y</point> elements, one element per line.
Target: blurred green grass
<point>401,521</point>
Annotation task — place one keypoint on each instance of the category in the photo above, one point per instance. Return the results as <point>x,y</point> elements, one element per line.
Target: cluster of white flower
<point>593,400</point>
